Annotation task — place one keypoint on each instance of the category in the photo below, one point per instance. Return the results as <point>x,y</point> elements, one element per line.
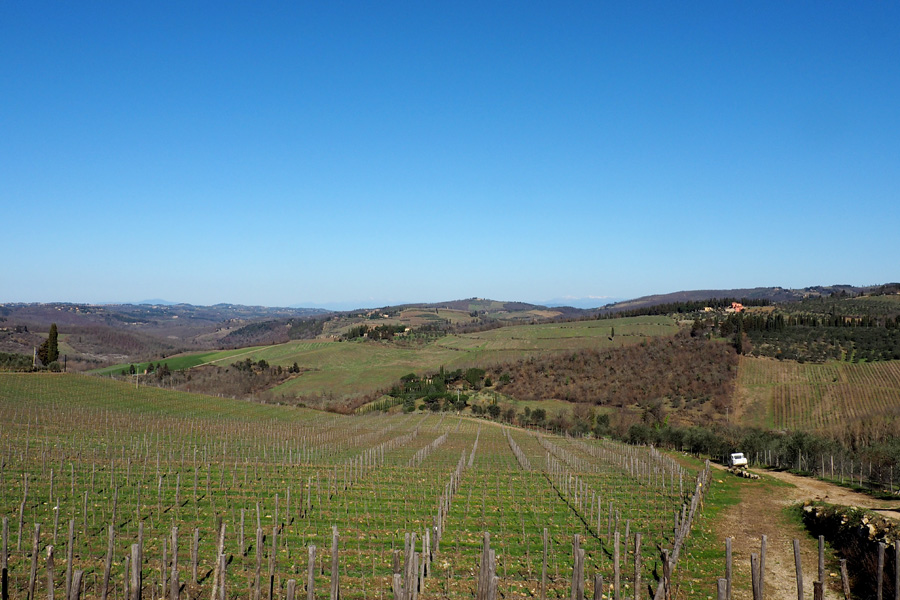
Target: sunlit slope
<point>348,368</point>
<point>816,397</point>
<point>343,368</point>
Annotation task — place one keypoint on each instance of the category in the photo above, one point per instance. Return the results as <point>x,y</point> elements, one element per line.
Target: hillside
<point>853,402</point>
<point>775,295</point>
<point>340,360</point>
<point>340,370</point>
<point>98,335</point>
<point>93,335</point>
<point>689,379</point>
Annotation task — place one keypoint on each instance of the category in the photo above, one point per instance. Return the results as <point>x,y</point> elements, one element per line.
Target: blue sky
<point>371,153</point>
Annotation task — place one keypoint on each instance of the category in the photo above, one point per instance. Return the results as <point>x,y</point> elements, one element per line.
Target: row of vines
<point>221,498</point>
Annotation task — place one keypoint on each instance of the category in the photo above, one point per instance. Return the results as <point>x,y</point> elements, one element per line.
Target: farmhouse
<point>736,307</point>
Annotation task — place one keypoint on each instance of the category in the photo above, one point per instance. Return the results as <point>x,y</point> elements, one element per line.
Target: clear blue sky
<point>320,152</point>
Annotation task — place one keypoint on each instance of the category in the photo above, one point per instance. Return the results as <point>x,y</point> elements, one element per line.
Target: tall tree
<point>49,350</point>
<point>739,336</point>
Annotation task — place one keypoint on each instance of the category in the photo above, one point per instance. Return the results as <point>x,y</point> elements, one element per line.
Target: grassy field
<point>346,368</point>
<point>816,397</point>
<point>349,368</point>
<point>185,361</point>
<point>417,317</point>
<point>411,317</point>
<point>562,336</point>
<point>88,453</point>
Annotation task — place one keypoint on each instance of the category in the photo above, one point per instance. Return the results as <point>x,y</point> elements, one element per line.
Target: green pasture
<point>361,366</point>
<point>346,368</point>
<point>563,336</point>
<point>184,361</point>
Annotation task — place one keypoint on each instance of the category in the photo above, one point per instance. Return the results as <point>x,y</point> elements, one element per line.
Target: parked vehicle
<point>737,459</point>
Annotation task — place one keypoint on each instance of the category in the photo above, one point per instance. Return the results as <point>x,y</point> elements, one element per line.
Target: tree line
<point>276,331</point>
<point>813,338</point>
<point>47,355</point>
<point>686,306</point>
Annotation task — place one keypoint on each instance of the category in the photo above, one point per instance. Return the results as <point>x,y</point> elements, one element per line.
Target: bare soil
<point>761,512</point>
<point>814,489</point>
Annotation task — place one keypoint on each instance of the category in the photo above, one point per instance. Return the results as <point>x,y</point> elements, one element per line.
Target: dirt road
<point>813,489</point>
<point>761,512</point>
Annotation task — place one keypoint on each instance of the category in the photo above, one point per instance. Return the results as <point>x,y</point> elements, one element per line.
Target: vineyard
<point>819,397</point>
<point>113,491</point>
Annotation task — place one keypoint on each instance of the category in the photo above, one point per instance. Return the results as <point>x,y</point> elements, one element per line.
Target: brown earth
<point>814,489</point>
<point>761,512</point>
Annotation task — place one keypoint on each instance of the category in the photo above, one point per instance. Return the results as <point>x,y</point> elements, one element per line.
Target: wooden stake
<point>257,592</point>
<point>107,565</point>
<point>335,587</point>
<point>75,594</point>
<point>544,568</point>
<point>70,557</point>
<point>174,584</point>
<point>311,573</point>
<point>762,567</point>
<point>822,558</point>
<point>577,570</point>
<point>35,547</point>
<point>896,565</point>
<point>163,569</point>
<point>194,551</point>
<point>728,568</point>
<point>637,566</point>
<point>50,575</point>
<point>845,579</point>
<point>126,595</point>
<point>4,551</point>
<point>241,536</point>
<point>721,589</point>
<point>135,572</point>
<point>616,573</point>
<point>666,569</point>
<point>223,562</point>
<point>818,590</point>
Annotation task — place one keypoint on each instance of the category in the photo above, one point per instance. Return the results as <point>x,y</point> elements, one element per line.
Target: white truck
<point>737,459</point>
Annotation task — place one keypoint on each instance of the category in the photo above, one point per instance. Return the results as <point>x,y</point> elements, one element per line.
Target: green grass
<point>45,391</point>
<point>349,368</point>
<point>703,557</point>
<point>183,361</point>
<point>104,440</point>
<point>346,368</point>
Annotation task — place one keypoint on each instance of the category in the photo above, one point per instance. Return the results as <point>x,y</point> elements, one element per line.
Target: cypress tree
<point>49,350</point>
<point>52,346</point>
